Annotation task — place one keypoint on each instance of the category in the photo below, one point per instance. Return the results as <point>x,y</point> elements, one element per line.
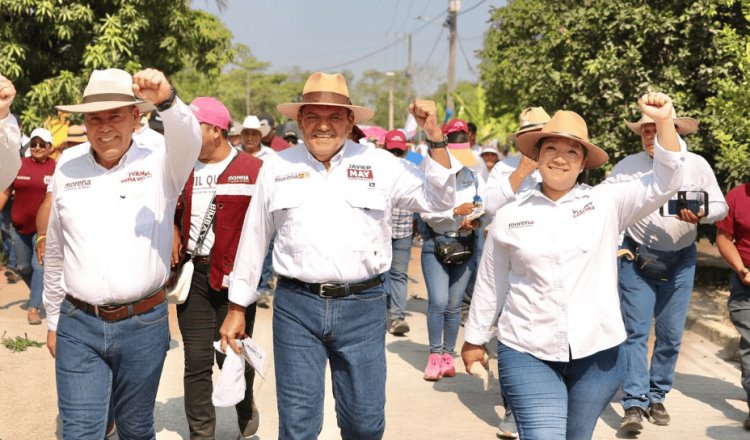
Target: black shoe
<point>632,421</point>
<point>658,415</point>
<point>249,428</point>
<point>398,327</point>
<point>746,424</point>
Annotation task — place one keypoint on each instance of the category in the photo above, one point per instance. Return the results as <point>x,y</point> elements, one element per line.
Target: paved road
<point>707,402</point>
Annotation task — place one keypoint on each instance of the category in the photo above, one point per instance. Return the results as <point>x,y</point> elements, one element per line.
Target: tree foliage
<point>597,57</point>
<point>49,47</point>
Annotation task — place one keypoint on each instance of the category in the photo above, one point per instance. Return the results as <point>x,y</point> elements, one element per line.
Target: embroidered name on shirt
<point>238,179</point>
<point>292,176</point>
<point>136,176</point>
<point>586,208</point>
<point>521,224</point>
<point>24,177</point>
<point>78,184</point>
<point>359,172</point>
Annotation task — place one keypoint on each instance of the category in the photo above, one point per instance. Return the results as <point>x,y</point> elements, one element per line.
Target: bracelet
<point>167,103</point>
<point>40,238</point>
<point>439,144</point>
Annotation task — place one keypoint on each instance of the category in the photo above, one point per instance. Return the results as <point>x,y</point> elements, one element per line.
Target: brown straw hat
<point>107,90</point>
<point>326,89</point>
<point>565,124</point>
<point>530,119</point>
<point>683,125</point>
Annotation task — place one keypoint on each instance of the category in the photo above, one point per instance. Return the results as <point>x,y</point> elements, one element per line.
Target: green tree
<point>597,57</point>
<point>371,90</point>
<point>49,47</point>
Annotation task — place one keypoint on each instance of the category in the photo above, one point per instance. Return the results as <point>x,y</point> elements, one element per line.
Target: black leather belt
<point>335,290</point>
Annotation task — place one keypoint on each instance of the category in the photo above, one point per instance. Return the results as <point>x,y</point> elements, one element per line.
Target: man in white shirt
<point>251,135</point>
<point>656,281</point>
<point>108,253</point>
<point>10,135</point>
<point>329,202</point>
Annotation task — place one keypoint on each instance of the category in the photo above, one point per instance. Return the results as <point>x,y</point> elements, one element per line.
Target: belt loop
<point>130,310</point>
<point>96,311</point>
<point>346,288</point>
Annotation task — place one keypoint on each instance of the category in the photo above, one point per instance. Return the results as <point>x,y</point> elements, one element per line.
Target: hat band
<point>459,146</point>
<point>532,125</point>
<point>102,97</point>
<point>326,97</point>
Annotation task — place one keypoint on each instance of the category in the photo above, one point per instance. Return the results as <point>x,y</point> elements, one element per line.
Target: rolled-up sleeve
<point>53,269</point>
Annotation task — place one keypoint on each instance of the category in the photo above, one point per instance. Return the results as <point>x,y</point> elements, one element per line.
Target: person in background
<point>656,279</point>
<point>733,241</point>
<point>291,137</point>
<point>489,158</point>
<point>270,139</point>
<point>223,178</point>
<point>30,187</point>
<point>76,136</point>
<point>235,134</point>
<point>446,282</point>
<point>147,136</point>
<point>550,266</point>
<point>251,135</point>
<point>155,123</point>
<point>402,225</point>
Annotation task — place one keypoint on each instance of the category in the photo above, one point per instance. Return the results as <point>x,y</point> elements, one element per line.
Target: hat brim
<point>263,129</point>
<point>100,106</point>
<point>683,125</point>
<point>290,109</point>
<point>463,155</point>
<point>530,129</point>
<point>595,156</point>
<point>77,139</point>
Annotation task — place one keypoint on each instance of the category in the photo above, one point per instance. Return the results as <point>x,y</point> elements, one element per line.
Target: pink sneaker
<point>447,368</point>
<point>433,368</point>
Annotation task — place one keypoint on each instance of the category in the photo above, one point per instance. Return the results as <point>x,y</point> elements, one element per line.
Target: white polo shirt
<point>551,266</point>
<point>10,142</point>
<point>332,226</point>
<point>668,233</point>
<point>110,231</point>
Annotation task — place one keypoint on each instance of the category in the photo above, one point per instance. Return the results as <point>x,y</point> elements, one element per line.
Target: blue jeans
<point>559,400</point>
<point>97,360</point>
<point>478,249</point>
<point>739,311</point>
<point>446,285</point>
<point>642,299</point>
<point>27,264</point>
<point>349,333</point>
<point>267,271</point>
<point>5,227</point>
<point>396,278</point>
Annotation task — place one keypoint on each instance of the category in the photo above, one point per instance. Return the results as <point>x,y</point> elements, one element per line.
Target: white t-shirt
<point>204,188</point>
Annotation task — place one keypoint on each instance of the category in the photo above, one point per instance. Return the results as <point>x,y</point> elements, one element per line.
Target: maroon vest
<point>234,189</point>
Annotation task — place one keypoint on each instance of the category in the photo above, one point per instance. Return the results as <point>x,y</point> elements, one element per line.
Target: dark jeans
<point>739,312</point>
<point>200,318</point>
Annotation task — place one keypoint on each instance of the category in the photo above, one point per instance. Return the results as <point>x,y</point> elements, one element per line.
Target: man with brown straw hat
<point>658,281</point>
<point>329,202</point>
<point>509,174</point>
<point>109,237</point>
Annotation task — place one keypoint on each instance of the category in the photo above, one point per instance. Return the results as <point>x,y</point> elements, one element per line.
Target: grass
<point>19,344</point>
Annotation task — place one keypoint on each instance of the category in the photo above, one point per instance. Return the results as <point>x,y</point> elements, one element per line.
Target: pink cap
<point>211,111</point>
<point>455,125</point>
<point>395,139</point>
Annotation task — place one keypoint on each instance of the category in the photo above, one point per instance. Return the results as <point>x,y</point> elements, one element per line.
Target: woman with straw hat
<point>550,264</point>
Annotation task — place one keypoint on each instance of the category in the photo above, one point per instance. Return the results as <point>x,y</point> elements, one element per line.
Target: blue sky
<point>330,35</point>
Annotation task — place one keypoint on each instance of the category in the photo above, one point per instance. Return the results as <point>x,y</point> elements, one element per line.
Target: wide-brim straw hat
<point>326,89</point>
<point>530,119</point>
<point>682,125</point>
<point>566,124</point>
<point>77,133</point>
<point>462,152</point>
<point>107,90</point>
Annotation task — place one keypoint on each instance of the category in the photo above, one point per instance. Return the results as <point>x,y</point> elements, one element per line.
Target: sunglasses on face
<point>37,145</point>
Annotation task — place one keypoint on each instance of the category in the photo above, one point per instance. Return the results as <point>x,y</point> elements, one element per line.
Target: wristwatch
<point>167,103</point>
<point>439,144</point>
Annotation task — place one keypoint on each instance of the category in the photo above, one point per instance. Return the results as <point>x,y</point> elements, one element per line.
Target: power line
<point>472,8</point>
<point>408,11</point>
<point>432,51</point>
<point>393,19</point>
<point>468,63</point>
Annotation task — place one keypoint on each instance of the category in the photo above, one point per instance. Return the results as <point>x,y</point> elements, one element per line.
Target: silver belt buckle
<point>321,289</point>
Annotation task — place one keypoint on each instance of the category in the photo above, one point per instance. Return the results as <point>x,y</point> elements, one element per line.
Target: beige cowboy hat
<point>565,124</point>
<point>530,119</point>
<point>326,89</point>
<point>77,133</point>
<point>107,90</point>
<point>252,122</point>
<point>683,125</point>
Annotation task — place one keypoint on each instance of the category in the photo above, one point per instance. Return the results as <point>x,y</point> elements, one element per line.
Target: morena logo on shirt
<point>292,176</point>
<point>136,176</point>
<point>78,184</point>
<point>521,224</point>
<point>238,179</point>
<point>586,208</point>
<point>359,172</point>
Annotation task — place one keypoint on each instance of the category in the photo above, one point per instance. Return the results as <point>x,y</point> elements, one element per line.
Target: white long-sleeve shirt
<point>110,230</point>
<point>332,226</point>
<point>10,156</point>
<point>551,266</point>
<point>498,192</point>
<point>668,233</point>
<point>444,221</point>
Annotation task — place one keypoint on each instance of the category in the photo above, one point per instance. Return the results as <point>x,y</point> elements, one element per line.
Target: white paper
<point>255,355</point>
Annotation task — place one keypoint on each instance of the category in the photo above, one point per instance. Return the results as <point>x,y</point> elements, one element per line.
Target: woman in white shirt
<point>550,265</point>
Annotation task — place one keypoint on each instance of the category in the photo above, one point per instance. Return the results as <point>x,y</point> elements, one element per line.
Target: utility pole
<point>409,74</point>
<point>247,93</point>
<point>453,7</point>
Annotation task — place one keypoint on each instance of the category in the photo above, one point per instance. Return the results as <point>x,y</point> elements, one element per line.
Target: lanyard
<point>477,199</point>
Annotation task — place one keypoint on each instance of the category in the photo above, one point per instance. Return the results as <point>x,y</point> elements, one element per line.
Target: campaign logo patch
<point>78,184</point>
<point>359,172</point>
<point>47,180</point>
<point>586,208</point>
<point>238,179</point>
<point>136,176</point>
<point>521,224</point>
<point>292,176</point>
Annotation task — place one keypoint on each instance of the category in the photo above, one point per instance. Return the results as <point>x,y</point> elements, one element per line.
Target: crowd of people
<point>217,216</point>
